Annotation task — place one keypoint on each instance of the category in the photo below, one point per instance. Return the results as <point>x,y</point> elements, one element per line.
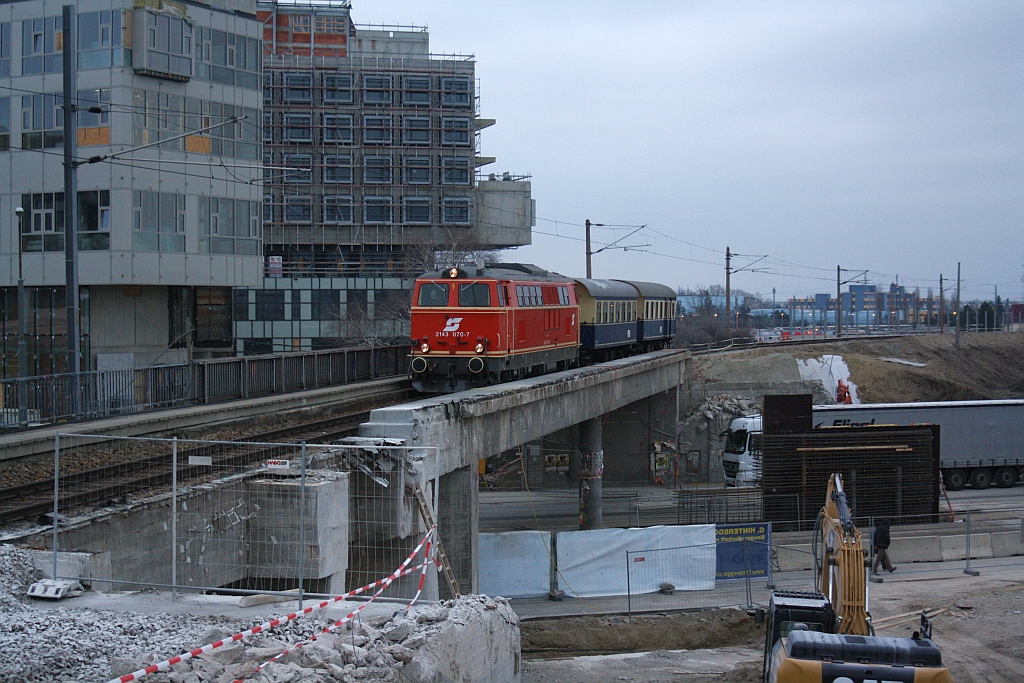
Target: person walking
<point>880,541</point>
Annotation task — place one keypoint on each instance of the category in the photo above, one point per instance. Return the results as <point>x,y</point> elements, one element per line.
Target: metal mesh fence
<point>232,516</point>
<point>887,471</point>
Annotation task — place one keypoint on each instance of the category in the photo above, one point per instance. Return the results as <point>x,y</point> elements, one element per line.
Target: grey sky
<point>882,136</point>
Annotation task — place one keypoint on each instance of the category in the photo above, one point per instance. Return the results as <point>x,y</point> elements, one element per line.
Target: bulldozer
<point>826,635</point>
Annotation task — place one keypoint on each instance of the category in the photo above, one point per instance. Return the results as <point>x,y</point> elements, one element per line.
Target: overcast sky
<point>877,136</point>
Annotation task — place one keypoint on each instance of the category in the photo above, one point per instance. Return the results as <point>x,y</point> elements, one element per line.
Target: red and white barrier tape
<point>348,617</point>
<point>273,623</point>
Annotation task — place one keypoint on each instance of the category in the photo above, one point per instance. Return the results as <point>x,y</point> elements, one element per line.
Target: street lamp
<point>22,312</point>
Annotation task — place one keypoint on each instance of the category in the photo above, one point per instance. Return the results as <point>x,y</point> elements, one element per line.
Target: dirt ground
<point>979,634</point>
<point>986,366</point>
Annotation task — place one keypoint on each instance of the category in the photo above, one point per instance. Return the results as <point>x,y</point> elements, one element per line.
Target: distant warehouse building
<point>166,231</point>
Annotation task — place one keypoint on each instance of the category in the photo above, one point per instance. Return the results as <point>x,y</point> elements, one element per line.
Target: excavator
<point>826,635</point>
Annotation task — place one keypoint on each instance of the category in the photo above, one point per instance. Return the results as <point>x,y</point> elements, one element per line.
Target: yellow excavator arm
<point>841,575</point>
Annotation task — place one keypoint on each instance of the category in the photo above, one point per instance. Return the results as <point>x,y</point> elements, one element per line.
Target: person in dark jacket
<point>881,543</point>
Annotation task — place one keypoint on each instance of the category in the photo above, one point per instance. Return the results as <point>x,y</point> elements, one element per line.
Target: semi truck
<point>982,442</point>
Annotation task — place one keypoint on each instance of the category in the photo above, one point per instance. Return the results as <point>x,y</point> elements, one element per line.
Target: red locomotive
<point>481,325</point>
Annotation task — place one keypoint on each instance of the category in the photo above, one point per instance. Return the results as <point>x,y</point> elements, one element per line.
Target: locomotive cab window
<point>433,294</point>
<point>475,294</point>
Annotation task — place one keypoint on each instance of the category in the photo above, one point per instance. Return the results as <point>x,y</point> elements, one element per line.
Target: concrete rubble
<point>703,432</point>
<point>474,638</point>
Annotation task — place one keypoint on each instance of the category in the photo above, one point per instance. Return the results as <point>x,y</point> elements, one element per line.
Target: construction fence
<point>237,517</point>
<point>49,399</point>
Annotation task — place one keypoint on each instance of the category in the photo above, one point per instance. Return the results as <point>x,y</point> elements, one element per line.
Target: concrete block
<point>1007,543</point>
<point>82,566</point>
<point>955,547</point>
<point>478,643</point>
<point>915,549</point>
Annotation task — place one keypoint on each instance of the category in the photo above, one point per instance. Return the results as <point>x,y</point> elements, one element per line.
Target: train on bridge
<point>487,324</point>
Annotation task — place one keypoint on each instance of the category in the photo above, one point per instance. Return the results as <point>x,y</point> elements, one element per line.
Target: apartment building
<point>171,222</point>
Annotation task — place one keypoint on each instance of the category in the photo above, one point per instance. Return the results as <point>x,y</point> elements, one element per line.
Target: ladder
<point>428,519</point>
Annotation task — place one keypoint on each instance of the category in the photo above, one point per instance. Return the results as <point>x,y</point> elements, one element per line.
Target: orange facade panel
<point>94,136</point>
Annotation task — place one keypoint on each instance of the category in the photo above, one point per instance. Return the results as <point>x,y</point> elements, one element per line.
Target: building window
<point>337,209</point>
<point>377,209</point>
<point>455,171</point>
<point>94,220</point>
<point>417,170</point>
<point>300,23</point>
<point>455,131</point>
<point>5,124</point>
<point>269,304</point>
<point>377,130</point>
<point>298,87</point>
<point>240,304</point>
<point>228,226</point>
<point>377,89</point>
<point>42,42</point>
<point>44,228</point>
<point>416,90</point>
<point>338,88</point>
<point>42,121</point>
<point>159,221</point>
<point>168,44</point>
<point>300,168</point>
<point>268,127</point>
<point>417,209</point>
<point>455,91</point>
<point>325,304</point>
<point>5,49</point>
<point>269,215</point>
<point>229,59</point>
<point>337,128</point>
<point>298,209</point>
<point>337,169</point>
<point>455,210</point>
<point>416,130</point>
<point>93,98</point>
<point>298,127</point>
<point>377,170</point>
<point>328,24</point>
<point>99,40</point>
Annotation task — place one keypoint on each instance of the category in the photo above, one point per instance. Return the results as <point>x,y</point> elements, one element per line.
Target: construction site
<point>190,569</point>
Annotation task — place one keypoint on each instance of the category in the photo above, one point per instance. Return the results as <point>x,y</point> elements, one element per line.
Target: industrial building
<point>371,151</point>
<point>171,223</point>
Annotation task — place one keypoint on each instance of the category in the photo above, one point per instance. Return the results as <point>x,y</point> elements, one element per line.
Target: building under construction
<point>371,151</point>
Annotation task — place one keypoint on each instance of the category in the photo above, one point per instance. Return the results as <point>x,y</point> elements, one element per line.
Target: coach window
<point>475,294</point>
<point>501,295</point>
<point>433,294</point>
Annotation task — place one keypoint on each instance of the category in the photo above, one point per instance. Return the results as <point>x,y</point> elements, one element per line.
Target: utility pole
<point>942,296</point>
<point>589,253</point>
<point>728,291</point>
<point>957,314</point>
<point>71,209</point>
<point>22,312</point>
<point>839,301</point>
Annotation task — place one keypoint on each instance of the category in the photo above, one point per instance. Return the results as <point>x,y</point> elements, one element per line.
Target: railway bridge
<point>448,435</point>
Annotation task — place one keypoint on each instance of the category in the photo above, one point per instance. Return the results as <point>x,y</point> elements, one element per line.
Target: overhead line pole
<point>957,312</point>
<point>71,211</point>
<point>728,291</point>
<point>839,302</point>
<point>589,253</point>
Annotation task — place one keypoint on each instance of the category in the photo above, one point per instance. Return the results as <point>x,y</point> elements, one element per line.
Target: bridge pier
<point>591,482</point>
<point>458,525</point>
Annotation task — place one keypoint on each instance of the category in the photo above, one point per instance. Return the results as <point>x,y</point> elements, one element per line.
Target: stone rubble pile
<point>62,645</point>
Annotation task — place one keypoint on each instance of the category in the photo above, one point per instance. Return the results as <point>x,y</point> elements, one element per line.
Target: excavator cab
<point>791,611</point>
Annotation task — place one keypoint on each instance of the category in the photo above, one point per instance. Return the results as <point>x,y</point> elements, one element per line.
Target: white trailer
<point>981,442</point>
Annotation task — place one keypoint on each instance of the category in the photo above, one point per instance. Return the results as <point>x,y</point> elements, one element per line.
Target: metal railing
<point>47,399</point>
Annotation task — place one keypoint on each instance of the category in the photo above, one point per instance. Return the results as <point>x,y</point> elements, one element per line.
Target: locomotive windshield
<point>474,294</point>
<point>433,294</point>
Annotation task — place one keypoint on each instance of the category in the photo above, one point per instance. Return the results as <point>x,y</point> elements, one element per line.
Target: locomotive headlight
<point>479,348</point>
<point>424,347</point>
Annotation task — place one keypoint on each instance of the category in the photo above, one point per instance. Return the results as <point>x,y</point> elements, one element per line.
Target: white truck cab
<point>742,457</point>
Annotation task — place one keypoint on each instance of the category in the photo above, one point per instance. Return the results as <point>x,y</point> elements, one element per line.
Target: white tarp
<point>592,563</point>
<point>516,564</point>
<point>828,369</point>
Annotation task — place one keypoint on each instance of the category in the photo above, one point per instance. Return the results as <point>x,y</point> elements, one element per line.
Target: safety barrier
<point>49,399</point>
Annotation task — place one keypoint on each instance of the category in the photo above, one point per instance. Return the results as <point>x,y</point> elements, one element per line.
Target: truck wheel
<point>956,480</point>
<point>1006,477</point>
<point>981,478</point>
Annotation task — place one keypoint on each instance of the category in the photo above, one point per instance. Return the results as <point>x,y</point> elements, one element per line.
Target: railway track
<point>113,483</point>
